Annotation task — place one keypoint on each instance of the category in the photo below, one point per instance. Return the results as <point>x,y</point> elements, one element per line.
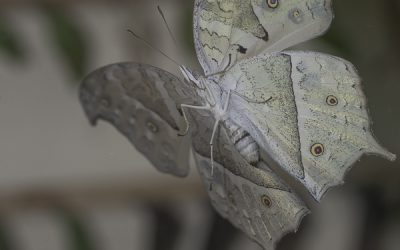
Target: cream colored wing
<point>264,104</point>
<point>287,102</point>
<point>227,31</point>
<point>141,102</point>
<point>223,27</point>
<point>334,125</point>
<point>292,21</point>
<point>252,198</point>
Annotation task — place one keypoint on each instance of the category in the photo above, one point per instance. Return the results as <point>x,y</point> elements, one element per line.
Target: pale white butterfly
<point>306,110</point>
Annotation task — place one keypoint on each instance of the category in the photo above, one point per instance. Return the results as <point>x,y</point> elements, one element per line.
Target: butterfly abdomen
<point>243,142</point>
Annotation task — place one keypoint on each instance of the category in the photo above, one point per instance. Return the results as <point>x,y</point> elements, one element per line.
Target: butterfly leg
<point>228,97</point>
<point>185,116</point>
<point>216,124</point>
<point>212,145</point>
<point>215,130</point>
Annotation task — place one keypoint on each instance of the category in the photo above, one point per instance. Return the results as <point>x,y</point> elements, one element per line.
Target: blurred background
<point>66,185</point>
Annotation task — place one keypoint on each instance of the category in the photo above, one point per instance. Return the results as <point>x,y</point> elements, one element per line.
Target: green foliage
<point>78,235</point>
<point>68,39</point>
<point>9,43</point>
<point>5,241</point>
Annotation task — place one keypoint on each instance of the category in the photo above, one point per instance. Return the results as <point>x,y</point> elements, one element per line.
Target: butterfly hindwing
<point>264,214</point>
<point>141,102</point>
<point>334,124</point>
<point>307,111</point>
<point>227,31</point>
<point>252,198</point>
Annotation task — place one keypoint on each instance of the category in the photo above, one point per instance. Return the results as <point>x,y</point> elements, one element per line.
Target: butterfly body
<point>305,110</point>
<point>243,142</point>
<point>216,101</point>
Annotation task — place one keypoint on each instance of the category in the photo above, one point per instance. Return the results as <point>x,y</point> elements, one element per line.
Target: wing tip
<point>384,153</point>
<point>320,194</point>
<point>319,191</point>
<point>293,227</point>
<point>377,149</point>
<point>301,214</point>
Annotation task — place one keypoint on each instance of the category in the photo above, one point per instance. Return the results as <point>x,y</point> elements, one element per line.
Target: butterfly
<point>304,110</point>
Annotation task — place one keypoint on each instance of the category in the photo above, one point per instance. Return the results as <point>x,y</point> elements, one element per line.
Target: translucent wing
<point>227,31</point>
<point>307,111</point>
<point>141,102</point>
<point>252,198</point>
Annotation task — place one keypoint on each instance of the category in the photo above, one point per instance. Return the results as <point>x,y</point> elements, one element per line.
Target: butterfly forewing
<point>265,107</point>
<point>227,31</point>
<point>219,26</point>
<point>333,121</point>
<point>307,111</point>
<point>290,22</point>
<point>141,102</point>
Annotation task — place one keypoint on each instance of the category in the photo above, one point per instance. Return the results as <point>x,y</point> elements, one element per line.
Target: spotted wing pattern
<point>307,111</point>
<point>227,31</point>
<point>141,102</point>
<point>334,125</point>
<point>252,198</point>
<point>222,28</point>
<point>292,21</point>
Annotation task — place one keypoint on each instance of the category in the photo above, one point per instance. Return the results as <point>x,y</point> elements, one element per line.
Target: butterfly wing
<point>307,111</point>
<point>141,102</point>
<point>332,113</point>
<point>292,21</point>
<point>226,31</point>
<point>252,198</point>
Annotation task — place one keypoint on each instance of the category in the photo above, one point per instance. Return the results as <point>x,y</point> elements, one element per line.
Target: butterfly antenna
<point>166,25</point>
<point>151,46</point>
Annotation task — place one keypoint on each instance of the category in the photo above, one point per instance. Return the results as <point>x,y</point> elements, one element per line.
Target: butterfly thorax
<point>217,101</point>
<point>240,138</point>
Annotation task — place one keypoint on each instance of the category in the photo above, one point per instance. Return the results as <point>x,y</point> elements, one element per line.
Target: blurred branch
<point>81,196</point>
